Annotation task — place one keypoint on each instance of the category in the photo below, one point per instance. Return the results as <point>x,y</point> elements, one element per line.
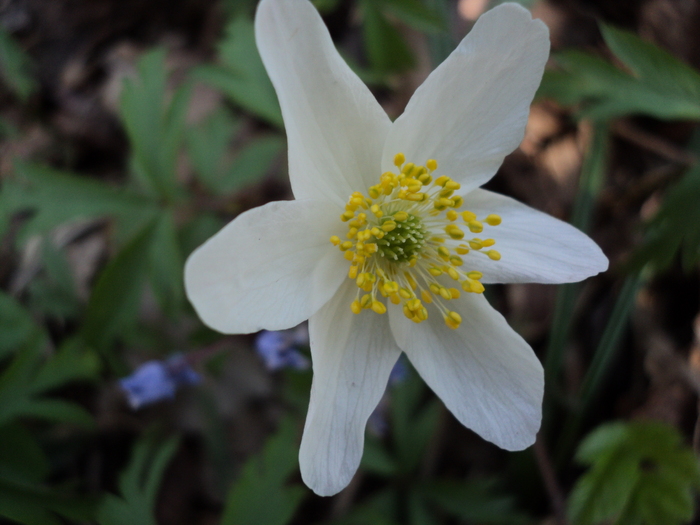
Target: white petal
<point>335,127</point>
<point>352,358</point>
<point>472,110</point>
<point>534,247</point>
<point>272,267</point>
<point>484,372</point>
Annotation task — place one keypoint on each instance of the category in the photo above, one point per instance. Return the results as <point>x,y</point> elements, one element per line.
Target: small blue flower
<point>154,381</point>
<point>281,349</point>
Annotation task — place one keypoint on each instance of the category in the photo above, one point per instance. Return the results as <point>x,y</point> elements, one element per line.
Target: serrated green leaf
<point>155,125</point>
<point>261,495</point>
<point>208,144</point>
<point>58,197</point>
<point>415,14</point>
<point>138,483</point>
<point>30,375</point>
<point>386,48</point>
<point>674,229</point>
<point>660,86</point>
<point>252,163</point>
<point>17,327</point>
<point>166,263</point>
<point>473,501</point>
<point>640,473</point>
<point>113,305</point>
<point>241,74</point>
<point>14,67</point>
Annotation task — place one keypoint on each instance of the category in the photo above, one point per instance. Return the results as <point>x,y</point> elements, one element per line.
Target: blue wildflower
<point>281,349</point>
<point>155,381</point>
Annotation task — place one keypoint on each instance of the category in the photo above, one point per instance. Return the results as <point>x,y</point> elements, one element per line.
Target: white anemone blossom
<point>390,240</point>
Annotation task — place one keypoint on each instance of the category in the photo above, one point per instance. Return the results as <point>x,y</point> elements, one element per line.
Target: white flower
<point>406,237</point>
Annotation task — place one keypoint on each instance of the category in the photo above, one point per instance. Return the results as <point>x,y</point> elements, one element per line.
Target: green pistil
<point>405,241</point>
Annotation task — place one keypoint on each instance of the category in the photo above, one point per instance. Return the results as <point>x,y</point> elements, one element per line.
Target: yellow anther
<point>468,216</point>
<point>376,210</point>
<point>366,301</point>
<point>456,260</point>
<point>377,232</point>
<point>378,307</point>
<point>414,304</point>
<point>431,164</point>
<point>447,194</point>
<point>362,217</point>
<point>416,197</point>
<point>407,311</point>
<point>444,202</point>
<point>454,231</point>
<point>400,216</point>
<point>475,226</point>
<point>488,242</point>
<point>462,249</point>
<point>437,239</point>
<point>425,295</point>
<point>356,307</point>
<point>405,293</point>
<point>435,288</point>
<point>389,226</point>
<point>352,233</point>
<point>473,286</point>
<point>348,255</point>
<point>399,159</point>
<point>454,293</point>
<point>395,299</point>
<point>345,245</point>
<point>475,275</point>
<point>452,185</point>
<point>458,201</point>
<point>453,273</point>
<point>435,271</point>
<point>335,240</point>
<point>374,192</point>
<point>371,248</point>
<point>452,215</point>
<point>421,314</point>
<point>411,281</point>
<point>453,320</point>
<point>346,216</point>
<point>425,179</point>
<point>352,272</point>
<point>445,294</point>
<point>442,180</point>
<point>493,220</point>
<point>443,252</point>
<point>407,168</point>
<point>475,244</point>
<point>360,281</point>
<point>391,286</point>
<point>494,255</point>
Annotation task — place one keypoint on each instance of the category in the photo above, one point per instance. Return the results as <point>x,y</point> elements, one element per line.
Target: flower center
<point>405,243</point>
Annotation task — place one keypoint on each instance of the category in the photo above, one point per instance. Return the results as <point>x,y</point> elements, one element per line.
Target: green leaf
<point>26,380</point>
<point>155,125</point>
<point>113,305</point>
<point>58,197</point>
<point>14,67</point>
<point>640,473</point>
<point>53,291</point>
<point>261,494</point>
<point>675,227</point>
<point>21,457</point>
<point>166,264</point>
<point>37,505</point>
<point>208,145</point>
<point>241,74</point>
<point>473,501</point>
<point>138,483</point>
<point>376,459</point>
<point>416,14</point>
<point>660,85</point>
<point>386,49</point>
<point>17,328</point>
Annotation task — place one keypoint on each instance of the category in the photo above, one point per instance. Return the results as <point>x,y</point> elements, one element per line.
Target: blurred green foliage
<point>640,473</point>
